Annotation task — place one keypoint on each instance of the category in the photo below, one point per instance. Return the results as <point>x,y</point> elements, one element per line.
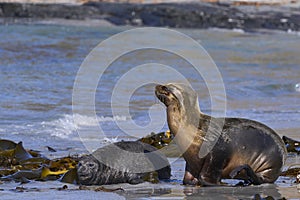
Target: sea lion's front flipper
<point>246,173</point>
<point>189,179</point>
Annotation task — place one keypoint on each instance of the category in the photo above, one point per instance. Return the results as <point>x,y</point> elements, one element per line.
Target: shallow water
<point>39,63</point>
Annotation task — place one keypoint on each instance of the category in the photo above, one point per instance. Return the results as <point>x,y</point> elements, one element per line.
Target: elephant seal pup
<point>243,149</point>
<point>122,162</point>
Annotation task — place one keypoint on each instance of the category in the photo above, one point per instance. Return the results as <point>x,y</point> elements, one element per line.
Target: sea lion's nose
<point>158,87</point>
<point>161,88</point>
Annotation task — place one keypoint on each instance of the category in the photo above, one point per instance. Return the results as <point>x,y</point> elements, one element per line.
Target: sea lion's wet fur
<point>244,149</point>
<point>107,165</point>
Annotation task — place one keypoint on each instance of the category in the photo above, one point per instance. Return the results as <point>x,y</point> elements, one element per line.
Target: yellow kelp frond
<point>46,172</point>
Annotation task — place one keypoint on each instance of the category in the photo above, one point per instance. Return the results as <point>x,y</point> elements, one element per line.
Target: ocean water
<point>39,65</point>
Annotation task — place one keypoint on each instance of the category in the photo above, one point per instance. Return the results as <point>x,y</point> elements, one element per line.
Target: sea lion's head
<point>178,95</point>
<point>182,105</point>
<point>87,170</point>
<point>183,112</point>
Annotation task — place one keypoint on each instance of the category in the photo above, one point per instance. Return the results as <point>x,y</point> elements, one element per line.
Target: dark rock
<point>181,15</point>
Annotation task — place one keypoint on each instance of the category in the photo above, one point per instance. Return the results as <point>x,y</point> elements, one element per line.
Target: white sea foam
<point>238,30</point>
<point>297,33</point>
<point>115,118</point>
<point>297,87</point>
<point>110,140</point>
<point>68,124</point>
<point>235,30</point>
<point>65,127</point>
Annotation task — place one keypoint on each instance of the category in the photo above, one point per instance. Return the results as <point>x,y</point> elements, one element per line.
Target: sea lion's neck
<point>186,126</point>
<point>180,118</point>
<point>174,118</point>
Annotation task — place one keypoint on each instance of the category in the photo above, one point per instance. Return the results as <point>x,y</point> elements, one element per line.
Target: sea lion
<point>244,149</point>
<point>122,162</point>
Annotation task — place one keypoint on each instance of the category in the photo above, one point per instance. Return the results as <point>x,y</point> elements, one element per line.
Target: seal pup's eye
<point>91,165</point>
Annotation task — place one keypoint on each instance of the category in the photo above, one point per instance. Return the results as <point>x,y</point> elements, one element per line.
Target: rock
<point>181,15</point>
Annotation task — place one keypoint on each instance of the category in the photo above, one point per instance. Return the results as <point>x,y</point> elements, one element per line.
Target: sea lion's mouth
<point>162,98</point>
<point>162,93</point>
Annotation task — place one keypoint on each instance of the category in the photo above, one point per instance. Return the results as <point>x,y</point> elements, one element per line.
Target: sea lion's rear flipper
<point>246,173</point>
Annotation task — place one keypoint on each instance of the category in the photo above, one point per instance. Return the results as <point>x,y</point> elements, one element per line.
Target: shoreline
<point>196,15</point>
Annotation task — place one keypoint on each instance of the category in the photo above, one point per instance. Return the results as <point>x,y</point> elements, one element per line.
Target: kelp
<point>19,164</point>
<point>12,154</point>
<point>70,177</point>
<point>158,140</point>
<point>21,174</point>
<point>164,142</point>
<point>151,177</point>
<point>99,188</point>
<point>293,171</point>
<point>259,197</point>
<point>7,144</point>
<point>52,171</point>
<point>292,146</point>
<point>20,153</point>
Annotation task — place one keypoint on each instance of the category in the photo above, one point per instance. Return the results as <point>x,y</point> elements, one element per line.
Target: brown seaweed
<point>99,188</point>
<point>258,197</point>
<point>151,177</point>
<point>19,175</point>
<point>292,146</point>
<point>50,149</point>
<point>163,141</point>
<point>19,164</point>
<point>20,153</point>
<point>7,144</point>
<point>158,140</point>
<point>70,177</point>
<point>291,172</point>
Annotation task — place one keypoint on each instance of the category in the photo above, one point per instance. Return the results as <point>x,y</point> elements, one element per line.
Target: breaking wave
<point>68,124</point>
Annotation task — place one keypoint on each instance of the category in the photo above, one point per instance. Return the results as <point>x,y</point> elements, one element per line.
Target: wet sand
<point>284,187</point>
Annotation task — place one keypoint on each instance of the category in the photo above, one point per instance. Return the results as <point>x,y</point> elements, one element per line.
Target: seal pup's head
<point>88,169</point>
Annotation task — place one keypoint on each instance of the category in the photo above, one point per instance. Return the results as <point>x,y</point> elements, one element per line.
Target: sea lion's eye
<point>79,164</point>
<point>164,88</point>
